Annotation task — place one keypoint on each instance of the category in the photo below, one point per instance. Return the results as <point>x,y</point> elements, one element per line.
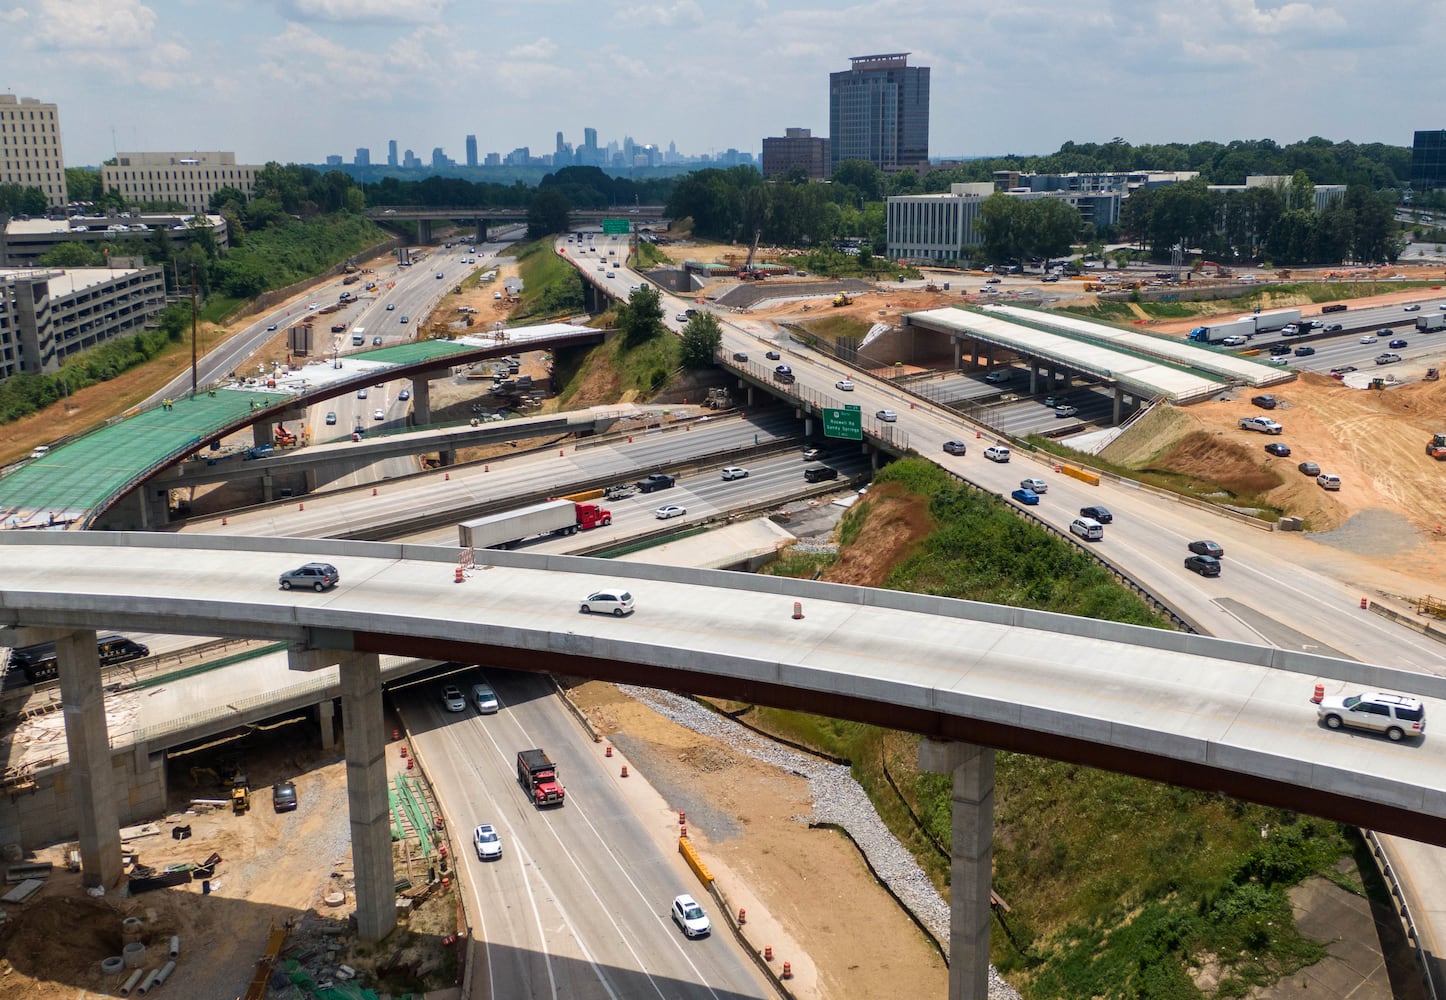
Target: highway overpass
<point>480,216</point>
<point>1193,711</point>
<point>79,481</point>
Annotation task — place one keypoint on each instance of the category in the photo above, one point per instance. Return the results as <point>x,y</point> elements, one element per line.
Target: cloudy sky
<point>294,80</point>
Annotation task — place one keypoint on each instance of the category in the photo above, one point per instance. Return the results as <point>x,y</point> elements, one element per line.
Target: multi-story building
<point>48,315</point>
<point>188,179</point>
<point>30,153</point>
<point>1428,160</point>
<point>878,110</point>
<point>946,226</point>
<point>1121,181</point>
<point>471,151</point>
<point>24,242</point>
<point>363,157</point>
<point>1324,194</point>
<point>797,146</point>
<point>391,152</point>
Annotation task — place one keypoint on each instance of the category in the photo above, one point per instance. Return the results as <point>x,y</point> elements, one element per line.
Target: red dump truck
<point>538,777</point>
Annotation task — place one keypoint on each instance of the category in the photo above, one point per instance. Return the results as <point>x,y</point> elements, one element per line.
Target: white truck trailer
<point>1269,322</point>
<point>555,517</point>
<point>1430,322</point>
<point>1214,333</point>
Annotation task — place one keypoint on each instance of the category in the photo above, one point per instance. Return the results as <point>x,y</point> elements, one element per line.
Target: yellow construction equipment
<point>843,299</point>
<point>240,799</point>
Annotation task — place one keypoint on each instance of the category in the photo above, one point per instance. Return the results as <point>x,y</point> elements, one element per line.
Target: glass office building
<point>878,110</point>
<point>1428,160</point>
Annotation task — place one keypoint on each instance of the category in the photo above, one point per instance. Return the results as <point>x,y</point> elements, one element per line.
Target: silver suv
<point>1396,715</point>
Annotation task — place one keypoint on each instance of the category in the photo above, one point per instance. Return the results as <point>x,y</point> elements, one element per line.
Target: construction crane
<point>748,271</point>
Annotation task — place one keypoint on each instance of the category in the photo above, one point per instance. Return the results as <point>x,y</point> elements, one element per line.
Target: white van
<point>1328,481</point>
<point>1087,528</point>
<point>358,336</point>
<point>41,452</point>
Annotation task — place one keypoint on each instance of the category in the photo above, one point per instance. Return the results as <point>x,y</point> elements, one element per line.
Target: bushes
<point>23,395</point>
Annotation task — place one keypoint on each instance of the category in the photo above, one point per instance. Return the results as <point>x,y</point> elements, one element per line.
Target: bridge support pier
<point>261,432</point>
<point>958,353</point>
<point>1118,405</point>
<point>92,793</point>
<point>421,401</point>
<point>971,861</point>
<point>424,232</point>
<point>363,729</point>
<point>326,715</point>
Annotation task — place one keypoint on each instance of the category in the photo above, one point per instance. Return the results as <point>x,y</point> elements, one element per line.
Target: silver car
<point>316,576</point>
<point>1396,715</point>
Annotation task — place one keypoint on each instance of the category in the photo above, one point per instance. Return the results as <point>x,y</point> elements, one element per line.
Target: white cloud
<point>100,25</point>
<point>666,15</point>
<point>16,15</point>
<point>343,11</point>
<point>540,50</point>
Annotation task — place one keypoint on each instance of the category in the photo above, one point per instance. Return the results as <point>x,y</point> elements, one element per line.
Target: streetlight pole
<point>193,330</point>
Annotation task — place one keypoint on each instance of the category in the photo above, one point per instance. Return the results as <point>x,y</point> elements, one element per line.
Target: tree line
<point>1264,223</point>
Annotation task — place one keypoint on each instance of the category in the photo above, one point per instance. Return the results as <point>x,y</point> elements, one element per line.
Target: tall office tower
<point>471,151</point>
<point>1428,160</point>
<point>409,160</point>
<point>589,155</point>
<point>878,110</point>
<point>363,156</point>
<point>392,153</point>
<point>30,147</point>
<point>439,158</point>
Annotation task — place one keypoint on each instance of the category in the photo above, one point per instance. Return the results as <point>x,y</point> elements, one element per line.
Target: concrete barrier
<point>685,848</point>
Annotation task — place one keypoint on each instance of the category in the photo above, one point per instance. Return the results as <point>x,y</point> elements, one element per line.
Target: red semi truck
<point>555,517</point>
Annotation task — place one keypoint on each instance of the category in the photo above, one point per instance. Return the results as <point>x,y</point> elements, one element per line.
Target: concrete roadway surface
<point>578,904</point>
<point>466,487</point>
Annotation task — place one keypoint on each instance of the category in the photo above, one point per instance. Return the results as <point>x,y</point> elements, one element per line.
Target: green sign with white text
<point>615,227</point>
<point>847,423</point>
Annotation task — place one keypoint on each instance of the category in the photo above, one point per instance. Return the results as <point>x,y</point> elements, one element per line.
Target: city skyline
<point>169,74</point>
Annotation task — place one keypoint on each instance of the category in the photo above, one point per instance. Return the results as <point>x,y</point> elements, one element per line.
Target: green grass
<point>1246,491</point>
<point>1116,885</point>
<point>649,255</point>
<point>835,328</point>
<point>643,369</point>
<point>552,288</point>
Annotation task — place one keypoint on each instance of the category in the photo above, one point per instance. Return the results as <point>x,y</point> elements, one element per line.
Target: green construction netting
<point>79,475</point>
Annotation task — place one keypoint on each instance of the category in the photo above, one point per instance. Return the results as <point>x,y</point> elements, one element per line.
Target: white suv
<point>997,453</point>
<point>1396,715</point>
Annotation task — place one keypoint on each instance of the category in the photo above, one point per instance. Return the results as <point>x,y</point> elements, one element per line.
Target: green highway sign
<point>615,227</point>
<point>847,423</point>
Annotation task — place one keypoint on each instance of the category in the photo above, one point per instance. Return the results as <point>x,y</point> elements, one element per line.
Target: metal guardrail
<point>1403,910</point>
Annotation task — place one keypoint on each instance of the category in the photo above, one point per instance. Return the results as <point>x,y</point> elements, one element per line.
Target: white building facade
<point>188,179</point>
<point>30,153</point>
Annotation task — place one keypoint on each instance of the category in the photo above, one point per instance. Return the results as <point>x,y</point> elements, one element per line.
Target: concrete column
<point>326,715</point>
<point>958,354</point>
<point>1033,378</point>
<point>1119,397</point>
<point>421,401</point>
<point>364,730</point>
<point>424,231</point>
<point>92,792</point>
<point>971,861</point>
<point>268,488</point>
<point>261,432</point>
<point>446,457</point>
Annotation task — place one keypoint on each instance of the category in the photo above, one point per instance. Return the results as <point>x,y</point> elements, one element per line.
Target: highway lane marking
<point>587,879</point>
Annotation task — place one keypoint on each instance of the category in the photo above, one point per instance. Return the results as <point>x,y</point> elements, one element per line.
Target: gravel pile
<point>837,799</point>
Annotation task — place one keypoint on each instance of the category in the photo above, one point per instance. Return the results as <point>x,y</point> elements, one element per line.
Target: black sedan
<point>1276,448</point>
<point>1100,514</point>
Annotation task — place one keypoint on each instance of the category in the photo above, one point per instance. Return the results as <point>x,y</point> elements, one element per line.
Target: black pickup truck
<point>657,481</point>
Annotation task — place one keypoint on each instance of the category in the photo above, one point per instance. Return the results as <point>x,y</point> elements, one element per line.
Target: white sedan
<point>1037,485</point>
<point>669,510</point>
<point>379,414</point>
<point>844,385</point>
<point>887,416</point>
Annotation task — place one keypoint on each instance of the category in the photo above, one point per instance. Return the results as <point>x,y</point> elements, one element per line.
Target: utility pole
<point>193,329</point>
